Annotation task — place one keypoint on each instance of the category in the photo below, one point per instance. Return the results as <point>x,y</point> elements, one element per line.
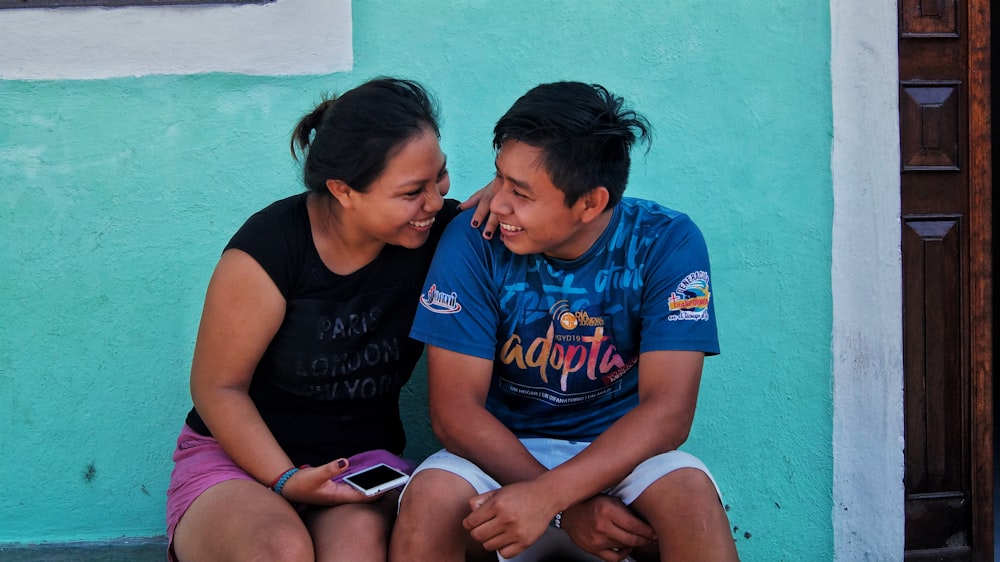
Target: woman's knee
<point>238,520</point>
<point>352,531</point>
<point>279,541</point>
<point>285,541</point>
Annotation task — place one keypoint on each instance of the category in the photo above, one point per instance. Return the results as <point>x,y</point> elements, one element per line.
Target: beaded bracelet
<point>279,483</point>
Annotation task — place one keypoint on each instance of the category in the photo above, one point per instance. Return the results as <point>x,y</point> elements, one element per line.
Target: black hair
<point>351,137</point>
<point>584,131</point>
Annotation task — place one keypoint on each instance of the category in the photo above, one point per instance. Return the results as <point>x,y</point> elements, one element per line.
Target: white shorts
<point>551,453</point>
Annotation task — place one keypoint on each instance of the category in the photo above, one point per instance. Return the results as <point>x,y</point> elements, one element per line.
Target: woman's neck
<point>343,248</point>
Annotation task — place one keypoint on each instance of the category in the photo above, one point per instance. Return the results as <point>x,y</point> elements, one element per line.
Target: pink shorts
<point>199,464</point>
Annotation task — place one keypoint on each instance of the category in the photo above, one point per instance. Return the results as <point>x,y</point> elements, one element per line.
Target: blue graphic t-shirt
<point>565,336</point>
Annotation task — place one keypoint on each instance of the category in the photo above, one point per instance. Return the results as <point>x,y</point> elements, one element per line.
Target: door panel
<point>938,498</point>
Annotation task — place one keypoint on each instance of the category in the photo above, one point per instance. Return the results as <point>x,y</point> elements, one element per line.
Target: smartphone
<point>377,479</point>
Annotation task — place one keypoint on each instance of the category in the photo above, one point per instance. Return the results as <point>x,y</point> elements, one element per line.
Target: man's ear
<point>341,192</point>
<point>594,203</point>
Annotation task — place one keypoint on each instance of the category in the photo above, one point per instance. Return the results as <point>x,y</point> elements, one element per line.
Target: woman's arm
<point>243,311</point>
<point>481,201</point>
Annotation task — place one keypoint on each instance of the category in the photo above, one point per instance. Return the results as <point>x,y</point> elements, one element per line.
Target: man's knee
<point>430,517</point>
<point>434,489</point>
<point>690,481</point>
<point>681,491</point>
<point>685,510</point>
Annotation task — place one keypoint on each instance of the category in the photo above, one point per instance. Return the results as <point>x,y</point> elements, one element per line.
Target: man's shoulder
<point>646,209</point>
<point>459,228</point>
<point>460,238</point>
<point>651,220</point>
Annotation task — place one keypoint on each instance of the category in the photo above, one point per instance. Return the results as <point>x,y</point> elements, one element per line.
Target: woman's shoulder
<point>277,237</point>
<point>293,205</point>
<point>284,215</point>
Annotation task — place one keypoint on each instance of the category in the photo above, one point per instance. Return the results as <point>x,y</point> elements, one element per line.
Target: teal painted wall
<point>116,197</point>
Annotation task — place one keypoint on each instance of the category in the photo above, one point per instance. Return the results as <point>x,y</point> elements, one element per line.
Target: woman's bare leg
<point>352,532</point>
<point>240,520</point>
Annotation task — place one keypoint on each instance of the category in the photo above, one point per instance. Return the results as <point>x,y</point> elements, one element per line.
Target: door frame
<point>868,517</point>
<point>866,268</point>
<point>981,273</point>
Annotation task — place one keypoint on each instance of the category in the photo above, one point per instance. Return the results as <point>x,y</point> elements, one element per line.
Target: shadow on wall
<point>420,440</point>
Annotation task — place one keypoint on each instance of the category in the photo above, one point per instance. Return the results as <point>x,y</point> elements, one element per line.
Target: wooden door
<point>946,218</point>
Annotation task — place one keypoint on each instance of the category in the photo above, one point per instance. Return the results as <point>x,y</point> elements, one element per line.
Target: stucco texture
<point>118,195</point>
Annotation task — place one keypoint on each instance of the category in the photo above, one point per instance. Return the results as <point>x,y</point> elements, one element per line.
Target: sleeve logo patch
<point>690,300</point>
<point>440,303</point>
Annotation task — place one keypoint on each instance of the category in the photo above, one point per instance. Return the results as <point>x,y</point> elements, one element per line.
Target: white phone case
<point>377,479</point>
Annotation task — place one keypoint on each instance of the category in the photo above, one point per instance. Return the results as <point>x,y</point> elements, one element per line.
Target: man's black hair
<point>584,131</point>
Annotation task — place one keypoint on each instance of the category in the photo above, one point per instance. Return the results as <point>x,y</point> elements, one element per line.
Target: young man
<point>565,358</point>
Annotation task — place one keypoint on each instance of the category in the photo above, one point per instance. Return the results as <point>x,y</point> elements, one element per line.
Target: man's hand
<point>510,519</point>
<point>606,528</point>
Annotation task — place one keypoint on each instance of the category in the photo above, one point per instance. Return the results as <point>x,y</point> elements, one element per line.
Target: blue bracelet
<point>280,483</point>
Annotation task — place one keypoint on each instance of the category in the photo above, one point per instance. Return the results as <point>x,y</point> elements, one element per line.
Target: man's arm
<point>668,392</point>
<point>668,395</point>
<point>458,385</point>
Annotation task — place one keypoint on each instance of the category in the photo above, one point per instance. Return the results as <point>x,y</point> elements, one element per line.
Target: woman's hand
<point>313,485</point>
<point>481,200</point>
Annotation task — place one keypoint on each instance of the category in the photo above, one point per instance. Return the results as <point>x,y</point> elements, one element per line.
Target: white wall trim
<point>286,37</point>
<point>868,510</point>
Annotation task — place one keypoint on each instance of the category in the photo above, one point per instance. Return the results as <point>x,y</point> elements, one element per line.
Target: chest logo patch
<point>570,321</point>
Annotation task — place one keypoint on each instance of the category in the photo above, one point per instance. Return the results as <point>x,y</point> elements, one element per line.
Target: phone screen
<point>375,477</point>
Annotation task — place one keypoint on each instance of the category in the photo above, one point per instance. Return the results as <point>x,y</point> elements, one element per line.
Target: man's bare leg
<point>683,508</point>
<point>429,524</point>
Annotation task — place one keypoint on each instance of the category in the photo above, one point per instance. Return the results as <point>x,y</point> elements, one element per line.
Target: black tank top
<point>328,384</point>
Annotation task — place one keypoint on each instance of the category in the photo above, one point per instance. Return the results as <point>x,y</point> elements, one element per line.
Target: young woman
<point>303,344</point>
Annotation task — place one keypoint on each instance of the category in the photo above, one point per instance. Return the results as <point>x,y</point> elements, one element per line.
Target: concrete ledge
<point>153,549</point>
